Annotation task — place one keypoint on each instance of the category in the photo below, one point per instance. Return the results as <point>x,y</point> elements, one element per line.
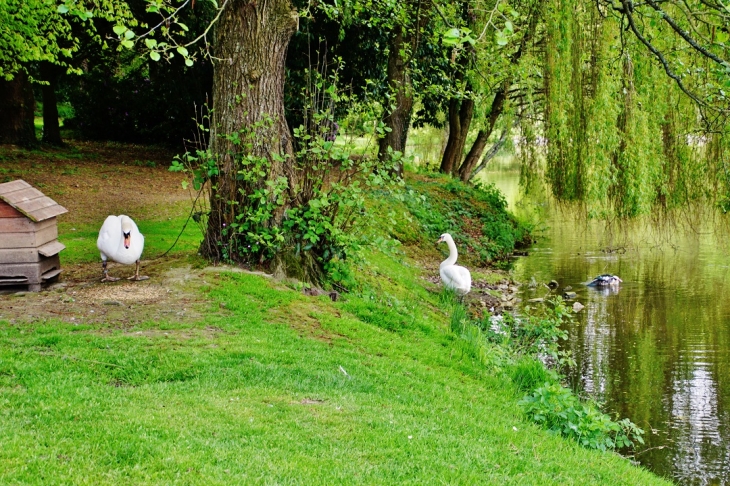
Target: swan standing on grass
<point>120,241</point>
<point>453,276</point>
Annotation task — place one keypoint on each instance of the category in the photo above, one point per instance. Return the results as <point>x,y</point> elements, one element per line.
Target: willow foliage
<point>621,136</point>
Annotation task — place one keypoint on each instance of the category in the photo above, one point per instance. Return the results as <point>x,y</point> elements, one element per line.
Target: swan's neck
<point>453,254</point>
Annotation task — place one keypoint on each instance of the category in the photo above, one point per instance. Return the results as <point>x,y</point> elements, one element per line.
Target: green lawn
<point>272,387</point>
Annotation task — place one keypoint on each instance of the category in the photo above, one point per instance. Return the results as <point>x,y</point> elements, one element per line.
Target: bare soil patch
<point>93,180</point>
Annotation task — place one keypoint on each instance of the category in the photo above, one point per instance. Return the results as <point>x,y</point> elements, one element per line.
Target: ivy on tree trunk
<point>248,93</point>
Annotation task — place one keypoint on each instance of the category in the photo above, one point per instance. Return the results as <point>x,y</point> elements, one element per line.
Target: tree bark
<point>51,127</point>
<point>472,159</point>
<point>398,117</point>
<point>248,98</point>
<point>460,116</point>
<point>16,111</point>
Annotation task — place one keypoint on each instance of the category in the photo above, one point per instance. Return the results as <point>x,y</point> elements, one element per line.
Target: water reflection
<point>657,348</point>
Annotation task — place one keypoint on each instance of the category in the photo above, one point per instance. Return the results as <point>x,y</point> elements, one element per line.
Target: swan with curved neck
<point>120,241</point>
<point>453,276</point>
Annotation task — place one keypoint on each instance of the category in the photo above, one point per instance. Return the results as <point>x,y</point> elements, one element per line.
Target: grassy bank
<point>228,377</point>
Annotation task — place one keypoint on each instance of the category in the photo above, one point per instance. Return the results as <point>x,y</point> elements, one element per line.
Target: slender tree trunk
<point>460,117</point>
<point>492,152</point>
<point>472,159</point>
<point>466,171</point>
<point>51,127</point>
<point>248,97</point>
<point>16,111</point>
<point>398,117</point>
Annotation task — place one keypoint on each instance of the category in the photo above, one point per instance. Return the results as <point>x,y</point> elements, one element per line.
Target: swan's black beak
<point>127,240</point>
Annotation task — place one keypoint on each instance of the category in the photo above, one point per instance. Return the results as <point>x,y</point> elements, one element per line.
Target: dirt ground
<point>93,180</point>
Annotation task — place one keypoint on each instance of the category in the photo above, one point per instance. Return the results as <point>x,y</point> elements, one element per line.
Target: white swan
<point>454,276</point>
<point>120,241</point>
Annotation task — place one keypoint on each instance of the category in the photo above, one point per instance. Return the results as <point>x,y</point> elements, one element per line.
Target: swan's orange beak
<point>440,239</point>
<point>127,240</point>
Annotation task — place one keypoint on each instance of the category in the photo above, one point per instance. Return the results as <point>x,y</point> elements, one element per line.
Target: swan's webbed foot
<point>105,274</point>
<point>137,277</point>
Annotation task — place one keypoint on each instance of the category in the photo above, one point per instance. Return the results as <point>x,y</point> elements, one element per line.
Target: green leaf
<point>62,9</point>
<point>189,62</point>
<point>183,26</point>
<point>215,4</point>
<point>119,29</point>
<point>151,43</point>
<point>128,34</point>
<point>155,56</point>
<point>128,43</point>
<point>452,34</point>
<point>182,51</point>
<point>500,38</point>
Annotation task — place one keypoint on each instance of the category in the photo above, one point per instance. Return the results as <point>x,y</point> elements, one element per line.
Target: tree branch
<point>684,34</point>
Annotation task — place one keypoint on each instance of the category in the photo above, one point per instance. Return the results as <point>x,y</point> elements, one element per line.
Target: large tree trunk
<point>51,127</point>
<point>16,111</point>
<point>248,98</point>
<point>398,117</point>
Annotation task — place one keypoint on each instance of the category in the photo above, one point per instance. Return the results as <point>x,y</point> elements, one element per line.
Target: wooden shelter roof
<point>29,201</point>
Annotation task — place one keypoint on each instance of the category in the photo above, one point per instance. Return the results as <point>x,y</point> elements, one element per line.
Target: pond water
<point>655,350</point>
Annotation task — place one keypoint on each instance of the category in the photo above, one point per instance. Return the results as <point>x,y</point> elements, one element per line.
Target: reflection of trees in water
<point>657,350</point>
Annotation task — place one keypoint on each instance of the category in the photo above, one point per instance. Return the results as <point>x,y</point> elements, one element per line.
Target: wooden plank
<point>7,211</point>
<point>23,225</point>
<point>52,248</point>
<point>18,255</point>
<point>51,274</point>
<point>11,186</point>
<point>28,240</point>
<point>17,240</point>
<point>33,272</point>
<point>49,212</point>
<point>30,207</point>
<point>27,194</point>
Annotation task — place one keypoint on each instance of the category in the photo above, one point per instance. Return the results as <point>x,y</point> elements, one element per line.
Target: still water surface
<point>657,350</point>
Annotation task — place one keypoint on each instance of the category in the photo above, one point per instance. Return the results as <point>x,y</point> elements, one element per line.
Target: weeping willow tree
<point>634,115</point>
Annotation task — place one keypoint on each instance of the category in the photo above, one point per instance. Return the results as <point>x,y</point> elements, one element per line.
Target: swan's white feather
<point>452,275</point>
<point>111,241</point>
<point>456,277</point>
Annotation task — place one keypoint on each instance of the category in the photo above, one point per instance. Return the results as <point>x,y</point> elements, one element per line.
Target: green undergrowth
<point>476,217</point>
<point>277,387</point>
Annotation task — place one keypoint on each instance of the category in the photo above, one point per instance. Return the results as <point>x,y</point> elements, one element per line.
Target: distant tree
<point>39,31</point>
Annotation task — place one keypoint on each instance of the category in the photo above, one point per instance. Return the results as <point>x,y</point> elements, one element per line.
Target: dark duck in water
<point>605,280</point>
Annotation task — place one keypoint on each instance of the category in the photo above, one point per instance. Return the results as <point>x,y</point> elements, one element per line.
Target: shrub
<point>558,409</point>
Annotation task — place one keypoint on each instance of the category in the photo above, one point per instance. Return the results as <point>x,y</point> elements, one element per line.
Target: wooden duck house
<point>28,245</point>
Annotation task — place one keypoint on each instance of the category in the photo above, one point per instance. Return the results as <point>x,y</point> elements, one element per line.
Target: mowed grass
<point>272,387</point>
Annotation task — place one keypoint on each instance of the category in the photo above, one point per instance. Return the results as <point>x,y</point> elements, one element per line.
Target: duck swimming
<point>605,280</point>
